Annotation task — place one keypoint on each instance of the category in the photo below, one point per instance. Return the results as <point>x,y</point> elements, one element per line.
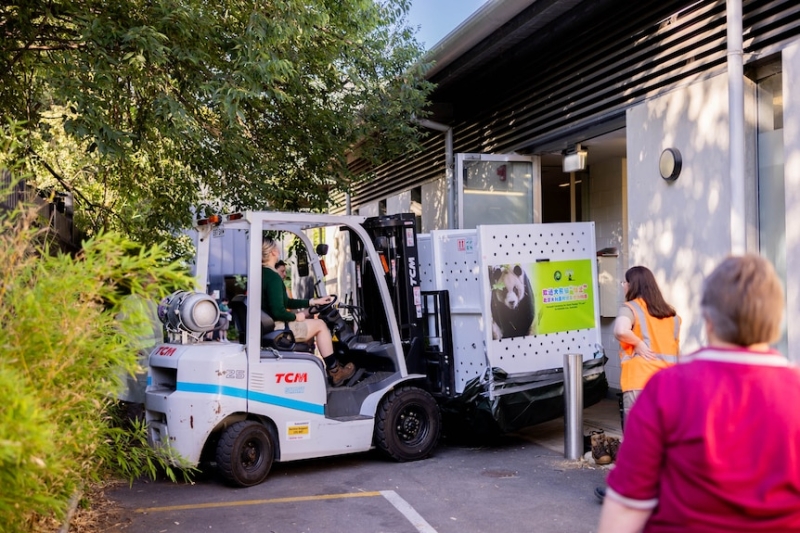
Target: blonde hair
<point>743,300</point>
<point>266,248</point>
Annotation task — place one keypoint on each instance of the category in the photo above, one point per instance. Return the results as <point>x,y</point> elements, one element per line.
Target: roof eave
<point>481,24</point>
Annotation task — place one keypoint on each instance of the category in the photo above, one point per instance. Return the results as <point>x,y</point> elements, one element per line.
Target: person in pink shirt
<point>713,443</point>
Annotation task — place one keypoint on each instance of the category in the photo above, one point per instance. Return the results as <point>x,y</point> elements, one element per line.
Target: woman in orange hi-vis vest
<point>648,330</point>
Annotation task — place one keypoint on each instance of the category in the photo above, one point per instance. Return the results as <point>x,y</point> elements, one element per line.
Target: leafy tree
<point>148,109</point>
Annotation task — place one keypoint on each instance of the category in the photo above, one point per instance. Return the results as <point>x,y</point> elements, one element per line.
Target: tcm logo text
<point>166,351</point>
<point>412,271</point>
<point>292,377</point>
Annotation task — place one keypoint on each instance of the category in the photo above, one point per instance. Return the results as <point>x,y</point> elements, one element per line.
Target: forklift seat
<point>238,309</point>
<point>269,337</point>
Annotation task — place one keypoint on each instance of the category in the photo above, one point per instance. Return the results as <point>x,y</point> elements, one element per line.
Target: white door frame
<point>456,204</point>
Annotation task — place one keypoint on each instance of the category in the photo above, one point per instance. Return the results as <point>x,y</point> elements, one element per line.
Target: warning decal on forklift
<point>298,430</point>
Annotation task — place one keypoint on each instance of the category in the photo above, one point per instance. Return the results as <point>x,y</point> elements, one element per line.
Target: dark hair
<point>279,264</point>
<point>743,301</point>
<point>642,284</point>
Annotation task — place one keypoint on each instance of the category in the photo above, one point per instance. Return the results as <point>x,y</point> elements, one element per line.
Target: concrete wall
<point>434,205</point>
<point>791,150</point>
<point>432,211</point>
<point>681,229</point>
<point>399,203</point>
<point>371,209</point>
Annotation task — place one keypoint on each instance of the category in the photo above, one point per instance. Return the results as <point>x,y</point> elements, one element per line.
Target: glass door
<point>497,189</point>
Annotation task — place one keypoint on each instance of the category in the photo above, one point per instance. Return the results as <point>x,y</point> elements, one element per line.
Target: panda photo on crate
<point>512,302</point>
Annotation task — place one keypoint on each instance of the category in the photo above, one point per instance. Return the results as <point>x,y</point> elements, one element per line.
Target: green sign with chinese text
<point>564,295</point>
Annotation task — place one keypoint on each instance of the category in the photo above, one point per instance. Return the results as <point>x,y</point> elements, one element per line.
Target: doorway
<point>596,192</point>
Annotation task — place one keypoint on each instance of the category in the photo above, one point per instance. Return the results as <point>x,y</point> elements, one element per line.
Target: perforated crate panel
<point>425,250</point>
<point>451,261</point>
<point>459,261</point>
<point>526,244</point>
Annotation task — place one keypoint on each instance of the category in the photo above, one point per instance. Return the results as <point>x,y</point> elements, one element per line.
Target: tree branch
<point>62,180</point>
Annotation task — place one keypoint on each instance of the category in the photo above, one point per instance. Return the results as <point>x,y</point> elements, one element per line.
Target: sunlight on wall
<point>681,229</point>
<point>791,140</point>
<point>434,205</point>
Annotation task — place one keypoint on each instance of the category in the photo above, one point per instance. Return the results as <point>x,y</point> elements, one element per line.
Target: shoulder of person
<point>625,310</point>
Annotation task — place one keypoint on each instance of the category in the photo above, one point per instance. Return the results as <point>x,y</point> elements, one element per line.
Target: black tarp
<point>519,401</point>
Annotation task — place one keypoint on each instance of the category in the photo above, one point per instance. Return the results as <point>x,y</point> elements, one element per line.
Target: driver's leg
<point>319,330</point>
<point>321,334</point>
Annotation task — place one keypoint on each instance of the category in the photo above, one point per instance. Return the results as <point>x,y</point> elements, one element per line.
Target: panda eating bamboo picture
<point>512,302</point>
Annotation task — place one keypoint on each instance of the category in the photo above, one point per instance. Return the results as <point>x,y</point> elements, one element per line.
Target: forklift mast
<point>423,318</point>
<point>395,239</point>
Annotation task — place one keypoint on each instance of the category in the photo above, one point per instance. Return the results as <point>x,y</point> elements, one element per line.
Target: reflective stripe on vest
<point>641,320</point>
<point>663,338</point>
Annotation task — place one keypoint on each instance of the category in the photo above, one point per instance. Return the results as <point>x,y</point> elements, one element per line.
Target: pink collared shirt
<point>713,445</point>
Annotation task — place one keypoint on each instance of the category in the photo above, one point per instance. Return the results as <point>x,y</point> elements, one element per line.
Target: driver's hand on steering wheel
<point>320,301</point>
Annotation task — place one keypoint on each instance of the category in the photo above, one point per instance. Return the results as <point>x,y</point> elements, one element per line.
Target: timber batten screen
<point>584,70</point>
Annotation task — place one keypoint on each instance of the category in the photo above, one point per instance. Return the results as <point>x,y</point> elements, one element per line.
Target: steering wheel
<point>321,309</point>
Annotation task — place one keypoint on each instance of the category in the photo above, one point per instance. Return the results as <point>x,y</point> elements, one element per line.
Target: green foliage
<point>69,335</point>
<point>146,109</point>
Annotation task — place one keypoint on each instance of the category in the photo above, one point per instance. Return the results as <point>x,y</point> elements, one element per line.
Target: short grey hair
<point>743,299</point>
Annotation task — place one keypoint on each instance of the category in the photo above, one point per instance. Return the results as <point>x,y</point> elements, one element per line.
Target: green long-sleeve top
<point>274,300</point>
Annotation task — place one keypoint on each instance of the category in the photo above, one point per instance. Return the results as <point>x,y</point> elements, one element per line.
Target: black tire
<point>408,424</point>
<point>245,453</point>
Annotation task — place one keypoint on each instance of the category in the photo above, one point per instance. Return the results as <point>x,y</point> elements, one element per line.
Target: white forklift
<point>268,399</point>
<point>468,326</point>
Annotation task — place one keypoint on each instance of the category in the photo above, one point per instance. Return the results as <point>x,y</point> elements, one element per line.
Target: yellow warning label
<point>298,430</point>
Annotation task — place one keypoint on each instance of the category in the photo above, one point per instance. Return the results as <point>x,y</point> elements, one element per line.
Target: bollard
<point>573,406</point>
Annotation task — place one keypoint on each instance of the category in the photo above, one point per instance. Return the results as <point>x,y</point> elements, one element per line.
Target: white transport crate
<point>553,264</point>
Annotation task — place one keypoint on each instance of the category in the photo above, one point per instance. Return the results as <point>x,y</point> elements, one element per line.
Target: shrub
<point>69,336</point>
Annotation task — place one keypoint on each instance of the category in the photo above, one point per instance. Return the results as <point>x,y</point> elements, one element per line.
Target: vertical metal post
<point>737,123</point>
<point>573,406</point>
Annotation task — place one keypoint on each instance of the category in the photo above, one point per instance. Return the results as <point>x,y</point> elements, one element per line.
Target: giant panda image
<point>512,302</point>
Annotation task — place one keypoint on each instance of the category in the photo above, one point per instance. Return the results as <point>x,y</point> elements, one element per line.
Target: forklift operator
<point>276,302</point>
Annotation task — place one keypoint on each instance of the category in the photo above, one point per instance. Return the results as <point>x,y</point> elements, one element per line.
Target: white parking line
<point>391,496</point>
<point>413,516</point>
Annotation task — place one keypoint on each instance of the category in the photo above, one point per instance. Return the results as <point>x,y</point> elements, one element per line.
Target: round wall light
<point>669,164</point>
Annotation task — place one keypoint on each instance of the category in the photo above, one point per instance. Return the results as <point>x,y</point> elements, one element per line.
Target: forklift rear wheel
<point>408,424</point>
<point>244,453</point>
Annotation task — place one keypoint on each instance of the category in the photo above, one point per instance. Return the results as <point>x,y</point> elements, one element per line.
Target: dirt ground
<point>94,514</point>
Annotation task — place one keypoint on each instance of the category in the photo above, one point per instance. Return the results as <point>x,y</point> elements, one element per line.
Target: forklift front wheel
<point>244,453</point>
<point>408,424</point>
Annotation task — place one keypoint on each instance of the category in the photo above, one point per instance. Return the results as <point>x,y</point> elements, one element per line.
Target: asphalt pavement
<point>519,483</point>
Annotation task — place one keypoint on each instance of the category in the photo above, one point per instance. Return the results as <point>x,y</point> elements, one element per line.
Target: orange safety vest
<point>662,335</point>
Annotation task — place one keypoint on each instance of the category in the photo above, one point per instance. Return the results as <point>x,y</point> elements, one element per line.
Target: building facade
<point>670,124</point>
